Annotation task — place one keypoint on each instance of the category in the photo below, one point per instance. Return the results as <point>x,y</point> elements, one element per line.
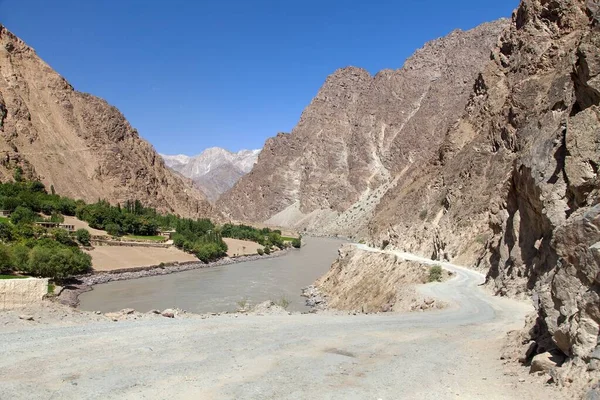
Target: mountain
<point>359,135</point>
<point>215,170</point>
<point>78,143</point>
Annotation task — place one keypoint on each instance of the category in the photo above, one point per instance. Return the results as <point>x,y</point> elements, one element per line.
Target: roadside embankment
<point>367,281</point>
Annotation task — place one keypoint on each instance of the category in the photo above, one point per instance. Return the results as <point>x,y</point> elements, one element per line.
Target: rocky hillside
<point>514,188</point>
<point>359,136</point>
<point>76,142</point>
<point>215,170</point>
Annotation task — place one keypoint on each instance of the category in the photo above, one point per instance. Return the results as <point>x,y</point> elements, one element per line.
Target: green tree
<point>23,215</point>
<point>267,250</point>
<point>62,236</point>
<point>6,259</point>
<point>297,243</point>
<point>20,254</point>
<point>83,236</point>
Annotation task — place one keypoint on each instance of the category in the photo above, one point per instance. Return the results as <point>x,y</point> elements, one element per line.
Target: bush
<point>7,231</point>
<point>297,243</point>
<point>6,259</point>
<point>63,237</point>
<point>20,253</point>
<point>83,236</point>
<point>57,261</point>
<point>260,252</point>
<point>113,229</point>
<point>23,215</point>
<point>435,273</point>
<point>267,250</point>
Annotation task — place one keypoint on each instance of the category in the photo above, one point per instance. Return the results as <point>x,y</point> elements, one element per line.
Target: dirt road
<point>448,354</point>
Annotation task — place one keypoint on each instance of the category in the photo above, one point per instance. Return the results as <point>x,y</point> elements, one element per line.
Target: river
<point>219,289</point>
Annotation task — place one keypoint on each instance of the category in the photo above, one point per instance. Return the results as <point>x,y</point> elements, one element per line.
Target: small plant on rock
<point>435,273</point>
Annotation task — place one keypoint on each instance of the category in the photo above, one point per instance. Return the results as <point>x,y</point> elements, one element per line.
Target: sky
<point>230,73</point>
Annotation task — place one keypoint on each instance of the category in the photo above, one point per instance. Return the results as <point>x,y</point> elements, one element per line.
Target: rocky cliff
<point>359,135</point>
<point>215,170</point>
<point>514,187</point>
<point>77,142</point>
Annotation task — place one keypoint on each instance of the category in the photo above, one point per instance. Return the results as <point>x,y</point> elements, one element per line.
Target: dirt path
<point>448,354</point>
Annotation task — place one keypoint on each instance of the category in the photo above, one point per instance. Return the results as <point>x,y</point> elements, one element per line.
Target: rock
<point>26,317</point>
<point>168,313</point>
<point>154,312</point>
<point>115,316</point>
<point>98,312</point>
<point>544,362</point>
<point>593,394</point>
<point>127,311</point>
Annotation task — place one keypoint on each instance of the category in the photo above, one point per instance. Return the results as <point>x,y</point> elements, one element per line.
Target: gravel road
<point>447,354</point>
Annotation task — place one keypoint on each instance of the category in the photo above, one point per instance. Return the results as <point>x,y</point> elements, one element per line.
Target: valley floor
<point>447,354</point>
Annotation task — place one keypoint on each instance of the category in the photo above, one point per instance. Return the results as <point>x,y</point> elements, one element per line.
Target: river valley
<point>220,289</point>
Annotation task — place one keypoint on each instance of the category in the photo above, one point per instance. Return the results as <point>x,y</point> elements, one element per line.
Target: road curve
<point>446,354</point>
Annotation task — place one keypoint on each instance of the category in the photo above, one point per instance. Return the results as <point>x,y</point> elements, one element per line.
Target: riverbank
<point>69,295</point>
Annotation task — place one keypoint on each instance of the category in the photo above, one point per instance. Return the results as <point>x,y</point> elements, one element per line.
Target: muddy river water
<point>219,289</point>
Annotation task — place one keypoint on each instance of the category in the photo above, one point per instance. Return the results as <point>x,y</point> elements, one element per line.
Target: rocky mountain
<point>76,142</point>
<point>359,135</point>
<point>503,177</point>
<point>215,170</point>
<point>514,188</point>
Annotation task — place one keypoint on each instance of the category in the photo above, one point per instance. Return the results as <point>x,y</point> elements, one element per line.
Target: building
<point>4,213</point>
<point>52,225</point>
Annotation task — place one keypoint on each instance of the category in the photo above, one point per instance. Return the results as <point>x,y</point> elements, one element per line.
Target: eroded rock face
<point>515,189</point>
<point>77,142</point>
<point>358,135</point>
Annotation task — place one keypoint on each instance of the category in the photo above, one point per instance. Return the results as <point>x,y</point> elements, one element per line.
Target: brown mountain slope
<point>359,134</point>
<point>77,142</point>
<point>514,188</point>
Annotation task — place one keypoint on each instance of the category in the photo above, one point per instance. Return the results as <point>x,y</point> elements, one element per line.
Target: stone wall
<point>22,293</point>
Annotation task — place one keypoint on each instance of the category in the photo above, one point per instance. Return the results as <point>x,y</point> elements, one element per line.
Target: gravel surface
<point>447,354</point>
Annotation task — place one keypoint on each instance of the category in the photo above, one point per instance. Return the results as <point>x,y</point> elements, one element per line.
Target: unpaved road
<point>447,354</point>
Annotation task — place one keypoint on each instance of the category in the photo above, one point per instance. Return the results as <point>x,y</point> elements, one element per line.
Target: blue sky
<point>230,73</point>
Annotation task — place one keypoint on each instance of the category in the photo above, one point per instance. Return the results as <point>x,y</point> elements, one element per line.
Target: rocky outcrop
<point>76,142</point>
<point>365,281</point>
<point>359,135</point>
<point>514,188</point>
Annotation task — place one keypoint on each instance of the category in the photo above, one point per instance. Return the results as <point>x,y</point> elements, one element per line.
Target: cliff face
<point>77,142</point>
<point>514,188</point>
<point>358,135</point>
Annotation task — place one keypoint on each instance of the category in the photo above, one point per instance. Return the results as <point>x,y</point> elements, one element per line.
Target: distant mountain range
<point>215,170</point>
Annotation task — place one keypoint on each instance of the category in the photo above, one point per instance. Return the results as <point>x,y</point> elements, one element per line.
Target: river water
<point>219,289</point>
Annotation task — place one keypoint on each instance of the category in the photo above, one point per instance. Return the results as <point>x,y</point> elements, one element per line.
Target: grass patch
<point>51,288</point>
<point>287,238</point>
<point>13,277</point>
<point>283,302</point>
<point>4,219</point>
<point>152,238</point>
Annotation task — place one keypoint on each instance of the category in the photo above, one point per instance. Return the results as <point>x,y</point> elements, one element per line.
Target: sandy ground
<point>82,224</point>
<point>236,247</point>
<point>110,258</point>
<point>447,354</point>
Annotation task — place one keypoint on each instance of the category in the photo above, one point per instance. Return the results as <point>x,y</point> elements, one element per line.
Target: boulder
<point>545,362</point>
<point>168,313</point>
<point>26,317</point>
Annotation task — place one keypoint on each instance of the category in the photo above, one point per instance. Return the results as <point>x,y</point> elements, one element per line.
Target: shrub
<point>283,302</point>
<point>260,252</point>
<point>20,253</point>
<point>7,231</point>
<point>83,236</point>
<point>435,273</point>
<point>6,259</point>
<point>113,229</point>
<point>23,215</point>
<point>267,250</point>
<point>63,237</point>
<point>297,243</point>
<point>57,261</point>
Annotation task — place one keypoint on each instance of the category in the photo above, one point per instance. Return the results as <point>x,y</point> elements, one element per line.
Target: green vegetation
<point>83,236</point>
<point>435,273</point>
<point>297,243</point>
<point>265,237</point>
<point>283,302</point>
<point>13,277</point>
<point>267,250</point>
<point>200,237</point>
<point>260,252</point>
<point>156,238</point>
